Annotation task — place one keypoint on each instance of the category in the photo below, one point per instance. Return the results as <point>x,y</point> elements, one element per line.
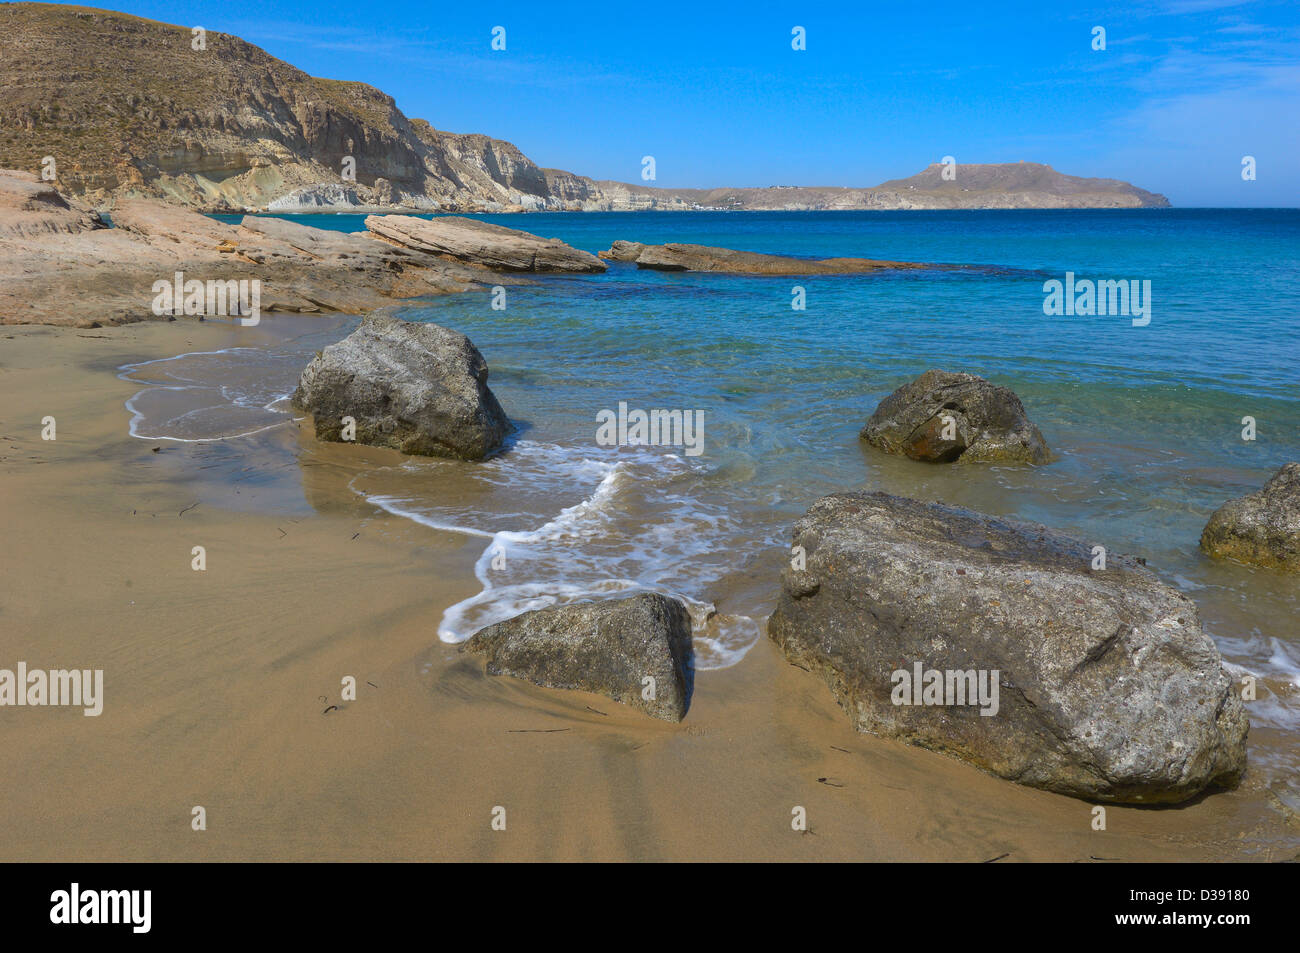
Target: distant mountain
<point>127,107</point>
<point>1019,185</point>
<point>1001,185</point>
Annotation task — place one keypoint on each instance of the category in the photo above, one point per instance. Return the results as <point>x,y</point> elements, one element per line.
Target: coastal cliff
<point>130,108</point>
<point>127,107</point>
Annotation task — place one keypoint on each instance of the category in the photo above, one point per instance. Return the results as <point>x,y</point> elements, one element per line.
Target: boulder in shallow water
<point>946,417</point>
<point>1261,528</point>
<point>1103,684</point>
<point>609,647</point>
<point>417,388</point>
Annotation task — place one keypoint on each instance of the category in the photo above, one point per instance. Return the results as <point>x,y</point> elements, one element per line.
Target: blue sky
<point>1184,89</point>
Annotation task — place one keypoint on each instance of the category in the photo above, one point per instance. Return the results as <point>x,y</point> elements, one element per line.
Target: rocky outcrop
<point>32,209</point>
<point>481,244</point>
<point>945,417</point>
<point>575,192</point>
<point>1095,683</point>
<point>417,388</point>
<point>61,263</point>
<point>129,107</point>
<point>1262,528</point>
<point>486,162</point>
<point>680,257</point>
<point>332,197</point>
<point>636,651</point>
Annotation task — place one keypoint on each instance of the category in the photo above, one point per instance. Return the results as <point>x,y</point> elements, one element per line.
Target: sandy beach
<point>220,685</point>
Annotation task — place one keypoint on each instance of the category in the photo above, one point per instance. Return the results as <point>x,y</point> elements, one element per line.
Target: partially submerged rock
<point>610,648</point>
<point>482,244</point>
<point>945,417</point>
<point>417,388</point>
<point>682,257</point>
<point>1104,685</point>
<point>1261,528</point>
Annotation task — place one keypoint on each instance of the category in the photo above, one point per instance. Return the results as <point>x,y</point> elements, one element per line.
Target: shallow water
<point>1145,422</point>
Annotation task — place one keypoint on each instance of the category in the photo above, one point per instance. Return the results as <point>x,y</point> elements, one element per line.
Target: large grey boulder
<point>1106,686</point>
<point>944,417</point>
<point>1261,528</point>
<point>482,244</point>
<point>610,648</point>
<point>417,388</point>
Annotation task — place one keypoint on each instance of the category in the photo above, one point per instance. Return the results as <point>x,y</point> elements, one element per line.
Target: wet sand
<point>217,685</point>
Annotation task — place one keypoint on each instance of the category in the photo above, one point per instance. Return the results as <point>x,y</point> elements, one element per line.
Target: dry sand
<point>216,685</point>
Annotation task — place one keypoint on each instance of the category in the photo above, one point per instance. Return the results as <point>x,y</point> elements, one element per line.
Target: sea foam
<point>636,526</point>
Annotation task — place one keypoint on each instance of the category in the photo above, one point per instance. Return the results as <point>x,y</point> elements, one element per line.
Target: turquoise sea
<point>1146,422</point>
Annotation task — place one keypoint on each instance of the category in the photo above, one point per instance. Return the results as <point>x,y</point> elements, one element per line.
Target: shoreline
<point>419,213</point>
<point>213,697</point>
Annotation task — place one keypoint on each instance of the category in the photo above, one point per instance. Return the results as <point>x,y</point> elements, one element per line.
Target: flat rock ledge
<point>1099,684</point>
<point>682,257</point>
<point>481,244</point>
<point>417,388</point>
<point>610,648</point>
<point>1262,528</point>
<point>64,263</point>
<point>947,417</point>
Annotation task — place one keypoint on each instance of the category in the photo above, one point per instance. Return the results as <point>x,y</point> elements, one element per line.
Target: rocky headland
<point>62,262</point>
<point>134,108</point>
